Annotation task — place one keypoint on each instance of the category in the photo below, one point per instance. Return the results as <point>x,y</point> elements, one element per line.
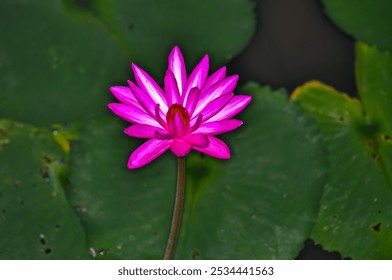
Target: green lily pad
<point>367,20</point>
<point>56,65</point>
<point>58,59</point>
<point>36,220</point>
<point>355,216</point>
<point>374,83</point>
<point>220,28</point>
<point>261,203</point>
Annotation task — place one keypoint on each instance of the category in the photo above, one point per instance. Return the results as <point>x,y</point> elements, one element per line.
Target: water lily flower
<point>186,114</point>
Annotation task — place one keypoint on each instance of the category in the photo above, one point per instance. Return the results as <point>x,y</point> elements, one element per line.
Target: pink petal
<point>196,122</point>
<point>235,105</point>
<point>126,96</point>
<point>171,89</point>
<point>223,87</point>
<point>215,106</point>
<point>197,78</point>
<point>177,67</point>
<point>219,127</point>
<point>178,127</point>
<point>192,100</point>
<point>146,83</point>
<point>147,152</point>
<point>143,98</point>
<point>132,114</point>
<point>215,77</point>
<point>217,148</point>
<point>159,117</point>
<point>142,131</point>
<point>180,147</point>
<point>197,139</point>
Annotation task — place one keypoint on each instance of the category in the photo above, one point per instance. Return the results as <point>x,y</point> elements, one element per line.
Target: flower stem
<point>177,211</point>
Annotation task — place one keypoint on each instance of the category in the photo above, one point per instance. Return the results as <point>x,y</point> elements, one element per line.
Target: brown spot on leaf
<point>47,158</point>
<point>47,251</point>
<point>42,239</point>
<point>376,227</point>
<point>45,173</point>
<point>376,158</point>
<point>195,254</point>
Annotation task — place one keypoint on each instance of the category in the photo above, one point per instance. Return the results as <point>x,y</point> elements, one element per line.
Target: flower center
<point>178,119</point>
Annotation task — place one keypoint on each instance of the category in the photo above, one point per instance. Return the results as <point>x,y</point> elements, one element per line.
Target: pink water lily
<point>186,115</point>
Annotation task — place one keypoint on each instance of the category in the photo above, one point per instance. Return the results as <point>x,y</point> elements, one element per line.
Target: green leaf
<point>56,65</point>
<point>355,215</point>
<point>374,82</point>
<point>58,59</point>
<point>261,203</point>
<point>367,20</point>
<point>220,28</point>
<point>36,220</point>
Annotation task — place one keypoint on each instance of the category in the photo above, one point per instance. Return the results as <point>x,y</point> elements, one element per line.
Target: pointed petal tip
<point>244,98</point>
<point>217,148</point>
<point>222,71</point>
<point>248,98</point>
<point>175,54</point>
<point>131,84</point>
<point>233,79</point>
<point>136,69</point>
<point>205,59</point>
<point>225,156</point>
<point>222,155</point>
<point>134,165</point>
<point>147,152</point>
<point>113,88</point>
<point>117,108</point>
<point>204,63</point>
<point>175,49</point>
<point>111,106</point>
